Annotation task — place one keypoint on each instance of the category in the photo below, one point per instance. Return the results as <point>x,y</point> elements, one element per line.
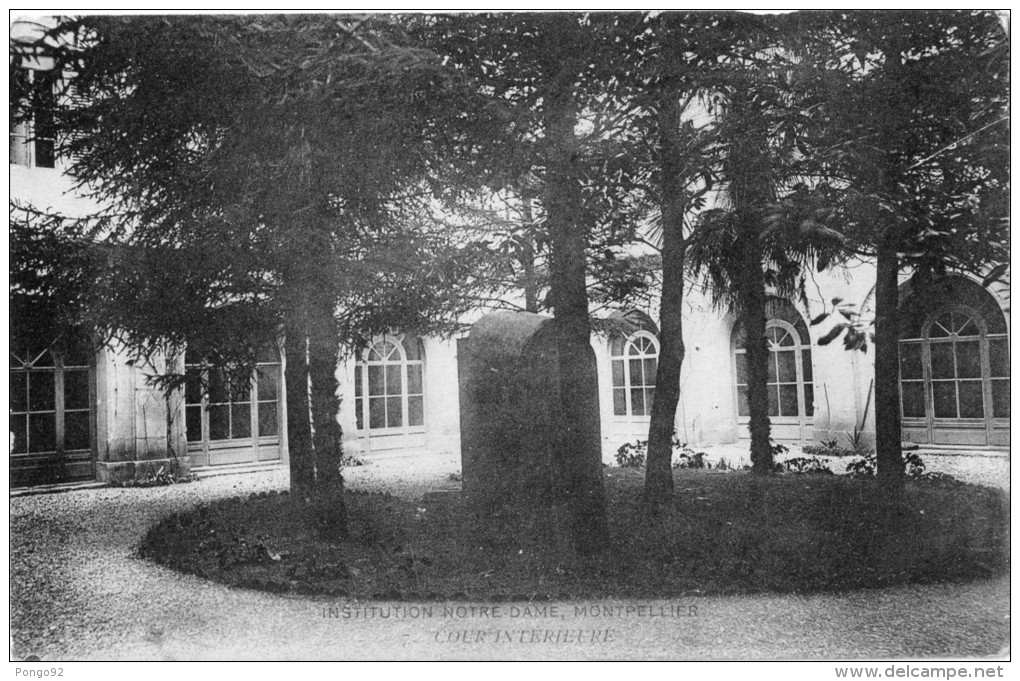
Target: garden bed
<point>727,532</point>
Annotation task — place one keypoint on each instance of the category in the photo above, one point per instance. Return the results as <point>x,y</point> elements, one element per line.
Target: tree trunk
<point>658,465</point>
<point>299,432</point>
<point>751,311</point>
<point>580,444</point>
<point>888,455</point>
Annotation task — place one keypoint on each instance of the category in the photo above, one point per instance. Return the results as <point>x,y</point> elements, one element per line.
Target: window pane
<point>637,402</point>
<point>739,337</point>
<point>44,360</point>
<point>412,347</point>
<point>376,412</point>
<point>375,380</point>
<point>787,366</point>
<point>414,382</point>
<point>940,327</point>
<point>741,366</point>
<point>633,349</point>
<point>76,352</point>
<point>1000,398</point>
<point>650,369</point>
<point>788,400</point>
<point>19,431</point>
<point>76,430</point>
<point>968,359</point>
<point>636,377</point>
<point>193,421</point>
<point>218,389</point>
<point>649,399</point>
<point>240,416</point>
<point>944,397</point>
<point>269,380</point>
<point>394,383</point>
<point>785,338</point>
<point>809,399</point>
<point>240,389</point>
<point>358,381</point>
<point>40,385</point>
<point>910,361</point>
<point>359,416</point>
<point>76,389</point>
<point>19,391</point>
<point>772,367</point>
<point>219,422</point>
<point>619,401</point>
<point>617,373</point>
<point>743,409</point>
<point>965,326</point>
<point>616,346</point>
<point>193,385</point>
<point>394,412</point>
<point>912,394</point>
<point>998,357</point>
<point>267,419</point>
<point>42,435</point>
<point>971,400</point>
<point>415,411</point>
<point>806,366</point>
<point>942,360</point>
<point>773,400</point>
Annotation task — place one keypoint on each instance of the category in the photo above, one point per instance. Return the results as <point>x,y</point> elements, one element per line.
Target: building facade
<point>81,413</point>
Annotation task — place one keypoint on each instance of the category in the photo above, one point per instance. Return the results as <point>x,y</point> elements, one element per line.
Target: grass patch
<point>725,533</point>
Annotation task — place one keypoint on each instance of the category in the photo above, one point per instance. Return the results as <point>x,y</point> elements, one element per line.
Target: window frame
<point>798,349</point>
<point>261,445</point>
<point>362,396</point>
<point>625,343</point>
<point>64,458</point>
<point>925,341</point>
<point>22,136</point>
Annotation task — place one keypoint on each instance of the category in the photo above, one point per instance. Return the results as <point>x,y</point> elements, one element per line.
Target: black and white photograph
<point>557,335</point>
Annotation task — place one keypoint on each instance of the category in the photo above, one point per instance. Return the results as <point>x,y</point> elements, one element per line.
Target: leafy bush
<point>914,468</point>
<point>350,461</point>
<point>803,464</point>
<point>632,454</point>
<point>828,448</point>
<point>161,478</point>
<point>688,458</point>
<point>861,467</point>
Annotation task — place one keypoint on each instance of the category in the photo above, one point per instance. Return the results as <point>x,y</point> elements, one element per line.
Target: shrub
<point>350,461</point>
<point>161,478</point>
<point>803,464</point>
<point>688,458</point>
<point>631,454</point>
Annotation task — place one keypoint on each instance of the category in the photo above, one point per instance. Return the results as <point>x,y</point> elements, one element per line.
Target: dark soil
<point>727,532</point>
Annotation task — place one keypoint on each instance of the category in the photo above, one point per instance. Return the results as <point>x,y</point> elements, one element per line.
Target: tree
<point>667,64</point>
<point>763,97</point>
<point>543,75</point>
<point>912,144</point>
<point>258,171</point>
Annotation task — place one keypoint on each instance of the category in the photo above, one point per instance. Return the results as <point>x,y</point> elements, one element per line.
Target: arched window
<point>221,413</point>
<point>954,362</point>
<point>389,386</point>
<point>634,364</point>
<point>50,411</point>
<point>790,375</point>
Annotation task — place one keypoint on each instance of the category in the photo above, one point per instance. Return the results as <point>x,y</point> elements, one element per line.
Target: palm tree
<point>738,248</point>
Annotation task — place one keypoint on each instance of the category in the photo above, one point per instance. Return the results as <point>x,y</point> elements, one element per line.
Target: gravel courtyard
<point>77,592</point>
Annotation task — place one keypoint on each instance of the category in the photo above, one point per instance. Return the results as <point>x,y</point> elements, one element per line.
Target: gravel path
<point>77,592</point>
